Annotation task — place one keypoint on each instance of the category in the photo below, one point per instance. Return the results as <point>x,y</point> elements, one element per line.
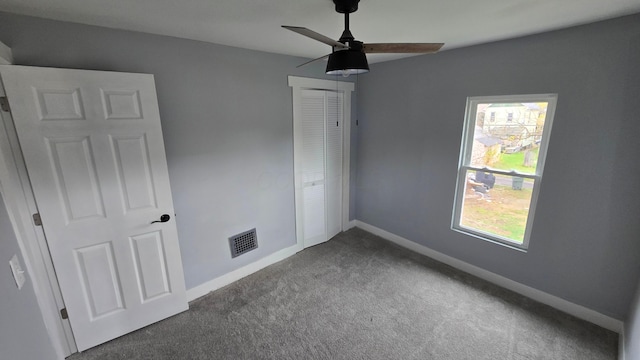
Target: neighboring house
<point>486,149</point>
<point>517,125</point>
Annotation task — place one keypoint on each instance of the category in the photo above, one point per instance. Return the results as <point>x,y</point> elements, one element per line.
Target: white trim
<point>535,294</point>
<point>19,202</point>
<point>228,278</point>
<point>302,83</point>
<point>351,225</point>
<point>6,57</point>
<point>312,83</point>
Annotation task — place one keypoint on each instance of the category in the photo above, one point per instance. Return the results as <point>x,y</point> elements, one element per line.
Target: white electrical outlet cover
<point>18,273</point>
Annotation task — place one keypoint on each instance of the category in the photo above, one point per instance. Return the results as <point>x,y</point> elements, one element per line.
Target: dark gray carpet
<point>361,297</point>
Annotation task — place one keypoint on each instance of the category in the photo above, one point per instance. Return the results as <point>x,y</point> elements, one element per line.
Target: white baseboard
<point>535,294</point>
<point>351,225</point>
<point>228,278</point>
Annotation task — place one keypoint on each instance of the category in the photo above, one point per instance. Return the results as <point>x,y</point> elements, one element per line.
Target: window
<point>501,168</point>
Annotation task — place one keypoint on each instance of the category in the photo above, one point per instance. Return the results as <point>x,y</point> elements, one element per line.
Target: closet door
<point>313,167</point>
<point>318,138</point>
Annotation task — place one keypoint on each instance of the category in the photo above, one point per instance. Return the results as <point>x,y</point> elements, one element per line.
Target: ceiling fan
<point>348,55</point>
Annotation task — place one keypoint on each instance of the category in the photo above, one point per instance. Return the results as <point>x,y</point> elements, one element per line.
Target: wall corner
<point>6,56</point>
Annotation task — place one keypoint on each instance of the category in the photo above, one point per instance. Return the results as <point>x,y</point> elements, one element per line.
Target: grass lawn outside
<point>510,206</point>
<point>515,162</point>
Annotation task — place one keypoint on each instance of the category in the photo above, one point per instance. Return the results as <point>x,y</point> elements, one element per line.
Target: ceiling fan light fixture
<point>348,56</point>
<point>347,62</point>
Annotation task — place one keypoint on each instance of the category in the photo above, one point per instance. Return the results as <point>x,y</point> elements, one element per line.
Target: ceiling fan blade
<point>310,61</point>
<point>316,36</point>
<point>402,48</point>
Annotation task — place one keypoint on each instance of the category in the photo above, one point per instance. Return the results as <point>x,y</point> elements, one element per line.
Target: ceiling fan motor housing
<point>346,6</point>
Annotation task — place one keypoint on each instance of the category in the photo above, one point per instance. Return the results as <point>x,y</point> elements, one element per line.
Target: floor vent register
<point>243,242</point>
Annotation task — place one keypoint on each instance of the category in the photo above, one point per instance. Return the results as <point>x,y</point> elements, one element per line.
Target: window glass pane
<point>496,204</point>
<point>507,136</point>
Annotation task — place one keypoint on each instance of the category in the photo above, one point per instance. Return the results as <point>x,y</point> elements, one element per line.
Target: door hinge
<point>64,314</point>
<point>4,104</point>
<point>37,220</point>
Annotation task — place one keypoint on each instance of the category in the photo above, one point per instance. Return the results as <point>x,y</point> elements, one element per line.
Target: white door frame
<point>302,83</point>
<point>20,204</point>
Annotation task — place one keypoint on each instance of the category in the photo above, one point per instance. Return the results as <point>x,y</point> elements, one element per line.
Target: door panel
<point>75,175</point>
<point>59,104</point>
<point>100,281</point>
<point>314,215</point>
<point>313,163</point>
<point>313,124</point>
<point>93,147</point>
<point>121,104</point>
<point>131,156</point>
<point>320,143</point>
<point>151,269</point>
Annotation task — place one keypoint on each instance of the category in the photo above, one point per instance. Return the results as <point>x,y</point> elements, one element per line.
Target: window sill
<point>513,246</point>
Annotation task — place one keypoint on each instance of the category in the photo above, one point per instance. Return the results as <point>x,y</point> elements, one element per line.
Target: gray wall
<point>632,330</point>
<point>23,334</point>
<point>227,122</point>
<point>584,244</point>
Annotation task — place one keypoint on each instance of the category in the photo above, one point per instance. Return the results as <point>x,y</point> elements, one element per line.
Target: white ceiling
<point>255,24</point>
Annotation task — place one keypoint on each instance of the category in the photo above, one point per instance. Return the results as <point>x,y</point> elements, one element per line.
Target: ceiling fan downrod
<point>346,7</point>
<point>346,36</point>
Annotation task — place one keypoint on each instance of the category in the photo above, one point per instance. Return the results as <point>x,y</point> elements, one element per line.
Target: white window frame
<point>464,164</point>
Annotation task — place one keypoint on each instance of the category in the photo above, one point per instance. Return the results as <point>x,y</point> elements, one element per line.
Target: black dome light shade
<point>347,62</point>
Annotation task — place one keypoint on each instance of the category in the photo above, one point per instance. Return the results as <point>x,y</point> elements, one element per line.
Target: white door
<point>318,138</point>
<point>93,148</point>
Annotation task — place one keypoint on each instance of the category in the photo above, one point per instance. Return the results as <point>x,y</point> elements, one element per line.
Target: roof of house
<point>531,106</point>
<point>488,141</point>
<point>505,131</point>
<point>485,139</point>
